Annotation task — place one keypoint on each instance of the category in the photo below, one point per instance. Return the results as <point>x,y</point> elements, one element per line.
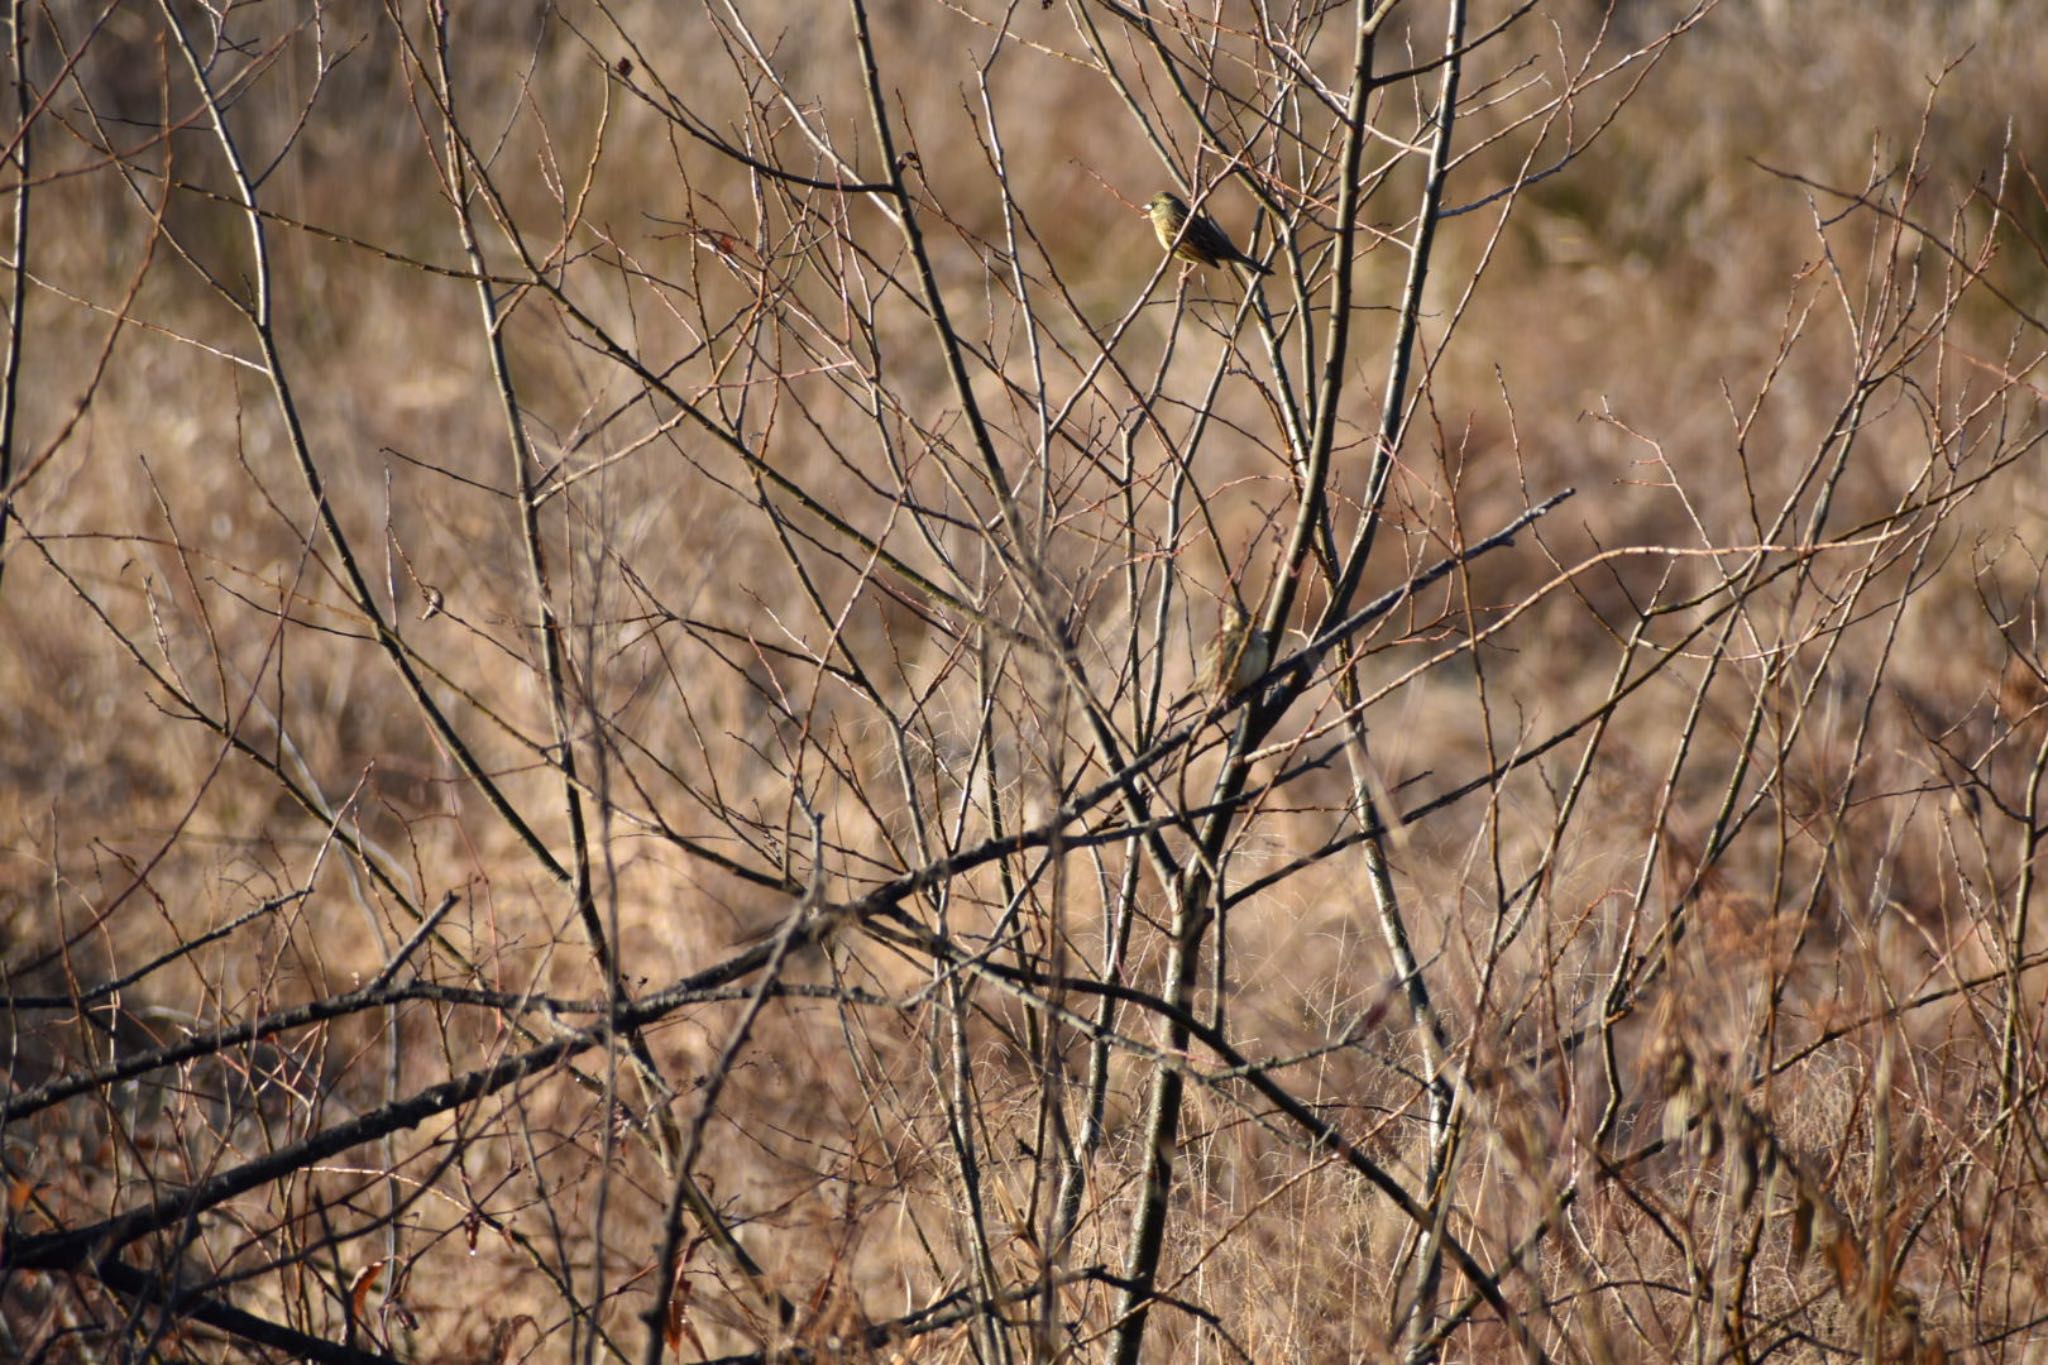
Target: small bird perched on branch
<point>1236,654</point>
<point>1203,242</point>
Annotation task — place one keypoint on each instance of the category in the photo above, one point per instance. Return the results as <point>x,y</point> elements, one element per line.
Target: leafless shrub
<point>614,753</point>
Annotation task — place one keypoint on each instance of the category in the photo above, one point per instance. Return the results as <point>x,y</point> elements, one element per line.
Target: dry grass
<point>1719,853</point>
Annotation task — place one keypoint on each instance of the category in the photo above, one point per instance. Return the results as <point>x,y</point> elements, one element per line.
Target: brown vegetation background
<point>1652,899</point>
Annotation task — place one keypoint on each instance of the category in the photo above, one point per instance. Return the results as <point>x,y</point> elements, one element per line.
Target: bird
<point>1202,242</point>
<point>1237,654</point>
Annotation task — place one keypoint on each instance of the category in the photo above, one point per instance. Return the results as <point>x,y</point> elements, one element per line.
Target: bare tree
<point>733,706</point>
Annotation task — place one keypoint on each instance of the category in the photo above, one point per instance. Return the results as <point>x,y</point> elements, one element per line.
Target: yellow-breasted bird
<point>1203,242</point>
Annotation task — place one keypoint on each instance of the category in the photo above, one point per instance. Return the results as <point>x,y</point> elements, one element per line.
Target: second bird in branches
<point>1194,236</point>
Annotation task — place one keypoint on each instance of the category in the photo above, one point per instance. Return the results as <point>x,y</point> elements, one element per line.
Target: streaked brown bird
<point>1202,241</point>
<point>1236,655</point>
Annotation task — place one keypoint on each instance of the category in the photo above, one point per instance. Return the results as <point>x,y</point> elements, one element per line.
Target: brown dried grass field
<point>507,528</point>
